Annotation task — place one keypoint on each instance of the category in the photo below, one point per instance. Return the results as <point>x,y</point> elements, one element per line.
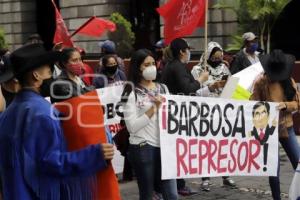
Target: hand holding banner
<point>217,137</point>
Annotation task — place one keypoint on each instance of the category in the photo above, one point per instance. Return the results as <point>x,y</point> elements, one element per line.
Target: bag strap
<point>124,98</point>
<point>126,92</point>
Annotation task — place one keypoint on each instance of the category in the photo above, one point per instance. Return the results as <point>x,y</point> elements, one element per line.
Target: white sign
<point>110,96</point>
<point>249,75</point>
<point>206,137</point>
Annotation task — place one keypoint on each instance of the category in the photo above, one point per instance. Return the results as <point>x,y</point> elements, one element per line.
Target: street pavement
<point>249,188</point>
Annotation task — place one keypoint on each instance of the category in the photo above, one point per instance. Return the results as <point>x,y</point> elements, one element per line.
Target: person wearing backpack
<point>141,119</point>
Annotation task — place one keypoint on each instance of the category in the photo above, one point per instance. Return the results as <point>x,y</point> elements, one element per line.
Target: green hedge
<point>123,36</point>
<point>2,39</point>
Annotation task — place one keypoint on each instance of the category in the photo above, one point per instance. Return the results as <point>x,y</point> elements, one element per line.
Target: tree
<point>257,16</point>
<point>123,36</point>
<point>2,39</point>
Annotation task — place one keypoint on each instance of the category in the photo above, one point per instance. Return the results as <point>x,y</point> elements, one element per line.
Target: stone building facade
<point>19,19</point>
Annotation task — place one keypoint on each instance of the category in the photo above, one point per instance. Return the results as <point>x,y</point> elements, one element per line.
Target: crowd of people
<point>34,160</point>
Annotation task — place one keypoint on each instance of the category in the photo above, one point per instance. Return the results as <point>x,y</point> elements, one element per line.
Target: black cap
<point>179,44</point>
<point>30,57</point>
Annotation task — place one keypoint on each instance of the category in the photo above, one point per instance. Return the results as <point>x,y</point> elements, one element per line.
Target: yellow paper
<point>241,94</point>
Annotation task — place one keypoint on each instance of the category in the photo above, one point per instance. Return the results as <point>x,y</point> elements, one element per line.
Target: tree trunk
<point>262,44</point>
<point>269,40</point>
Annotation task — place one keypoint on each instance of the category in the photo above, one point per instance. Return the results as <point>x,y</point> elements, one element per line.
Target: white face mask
<point>149,73</point>
<point>188,56</point>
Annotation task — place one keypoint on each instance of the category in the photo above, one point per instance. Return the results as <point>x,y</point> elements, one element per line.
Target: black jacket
<point>179,79</point>
<point>64,88</point>
<point>240,62</point>
<point>269,131</point>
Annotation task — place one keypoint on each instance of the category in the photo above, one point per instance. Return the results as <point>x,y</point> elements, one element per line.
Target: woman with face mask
<point>69,83</point>
<point>141,119</point>
<point>110,73</point>
<point>217,69</point>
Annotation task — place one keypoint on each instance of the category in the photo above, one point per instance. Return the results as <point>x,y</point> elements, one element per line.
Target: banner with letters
<point>207,137</point>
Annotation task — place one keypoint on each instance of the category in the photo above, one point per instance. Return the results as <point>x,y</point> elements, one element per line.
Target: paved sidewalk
<point>249,188</point>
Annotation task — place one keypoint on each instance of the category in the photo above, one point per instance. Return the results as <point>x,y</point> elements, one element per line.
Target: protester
<point>176,75</point>
<point>34,162</point>
<point>88,72</point>
<point>276,85</point>
<point>248,55</point>
<point>110,73</point>
<point>217,69</point>
<point>141,119</point>
<point>69,83</point>
<point>180,81</point>
<point>158,55</point>
<point>213,87</point>
<point>109,47</point>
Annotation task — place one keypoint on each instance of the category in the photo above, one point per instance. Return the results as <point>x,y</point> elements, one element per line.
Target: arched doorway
<point>285,34</point>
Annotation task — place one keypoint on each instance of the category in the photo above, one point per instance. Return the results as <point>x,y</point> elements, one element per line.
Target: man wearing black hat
<point>180,81</point>
<point>34,163</point>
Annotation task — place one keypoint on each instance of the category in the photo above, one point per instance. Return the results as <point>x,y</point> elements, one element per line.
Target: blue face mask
<point>253,47</point>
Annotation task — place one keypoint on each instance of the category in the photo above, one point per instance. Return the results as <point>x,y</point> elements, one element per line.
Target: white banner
<point>206,137</point>
<point>110,96</point>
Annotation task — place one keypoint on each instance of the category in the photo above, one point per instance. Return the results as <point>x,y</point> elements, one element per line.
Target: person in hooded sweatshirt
<point>217,69</point>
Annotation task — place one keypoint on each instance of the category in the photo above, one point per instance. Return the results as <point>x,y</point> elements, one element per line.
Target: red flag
<point>95,27</point>
<point>182,17</point>
<point>61,32</point>
<point>83,127</point>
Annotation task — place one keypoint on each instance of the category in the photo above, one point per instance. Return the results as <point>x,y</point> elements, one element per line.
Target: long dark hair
<point>65,56</point>
<point>106,58</point>
<point>137,59</point>
<point>288,89</point>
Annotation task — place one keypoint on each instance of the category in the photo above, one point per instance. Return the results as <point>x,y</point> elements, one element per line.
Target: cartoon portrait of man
<point>261,130</point>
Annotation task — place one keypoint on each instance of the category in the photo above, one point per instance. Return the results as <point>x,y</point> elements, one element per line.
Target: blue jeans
<point>146,162</point>
<point>292,149</point>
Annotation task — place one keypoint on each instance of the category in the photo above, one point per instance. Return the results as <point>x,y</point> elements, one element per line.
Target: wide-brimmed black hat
<point>277,65</point>
<point>30,57</point>
<point>6,71</point>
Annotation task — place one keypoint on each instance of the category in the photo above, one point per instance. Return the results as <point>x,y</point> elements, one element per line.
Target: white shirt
<point>140,127</point>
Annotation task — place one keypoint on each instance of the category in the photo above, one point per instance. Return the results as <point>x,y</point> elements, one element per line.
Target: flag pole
<point>205,34</point>
<point>82,26</point>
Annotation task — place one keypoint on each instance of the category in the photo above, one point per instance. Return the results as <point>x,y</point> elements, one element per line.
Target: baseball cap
<point>108,45</point>
<point>160,44</point>
<point>179,44</point>
<point>249,36</point>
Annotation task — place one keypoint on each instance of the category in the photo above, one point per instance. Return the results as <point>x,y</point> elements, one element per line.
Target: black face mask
<point>46,87</point>
<point>110,70</point>
<point>214,64</point>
